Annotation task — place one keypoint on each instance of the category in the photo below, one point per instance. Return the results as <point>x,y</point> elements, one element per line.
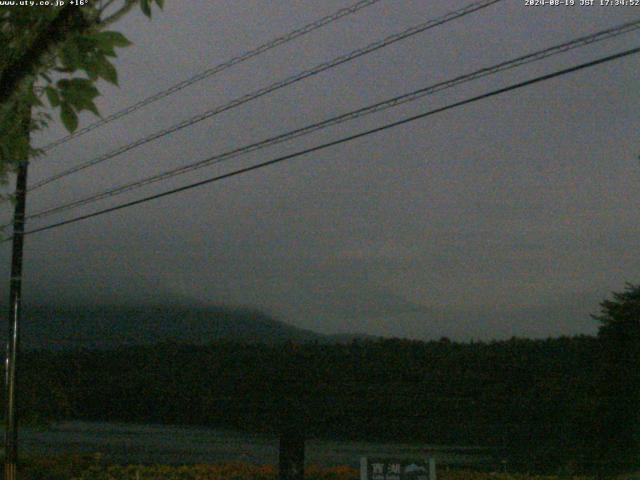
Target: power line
<point>473,7</point>
<point>276,42</point>
<point>377,107</point>
<point>341,140</point>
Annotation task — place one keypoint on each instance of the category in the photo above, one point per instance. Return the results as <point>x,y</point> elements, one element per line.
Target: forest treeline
<point>530,398</point>
<point>569,402</point>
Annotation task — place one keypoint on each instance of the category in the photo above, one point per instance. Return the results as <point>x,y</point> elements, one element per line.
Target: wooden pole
<point>15,313</point>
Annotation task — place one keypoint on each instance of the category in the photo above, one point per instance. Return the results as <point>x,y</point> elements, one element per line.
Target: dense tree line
<point>544,404</point>
<point>515,395</point>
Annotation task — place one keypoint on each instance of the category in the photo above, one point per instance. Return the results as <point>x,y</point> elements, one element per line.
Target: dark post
<point>292,417</point>
<point>15,307</point>
<point>291,463</point>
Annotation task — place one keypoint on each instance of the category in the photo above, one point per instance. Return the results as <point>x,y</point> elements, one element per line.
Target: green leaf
<point>70,55</point>
<point>32,99</point>
<point>109,39</point>
<point>77,94</point>
<point>101,44</point>
<point>52,95</point>
<point>92,108</point>
<point>92,74</point>
<point>145,7</point>
<point>69,118</point>
<point>78,87</point>
<point>107,71</point>
<point>87,60</point>
<point>91,65</point>
<point>160,4</point>
<point>88,42</point>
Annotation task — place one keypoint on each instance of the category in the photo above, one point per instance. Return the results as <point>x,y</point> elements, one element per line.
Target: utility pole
<point>15,307</point>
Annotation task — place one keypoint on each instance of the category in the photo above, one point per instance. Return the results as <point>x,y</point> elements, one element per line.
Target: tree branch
<point>128,5</point>
<point>69,20</point>
<point>103,8</point>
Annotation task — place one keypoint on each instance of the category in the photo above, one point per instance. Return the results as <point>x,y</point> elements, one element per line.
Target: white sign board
<point>397,469</point>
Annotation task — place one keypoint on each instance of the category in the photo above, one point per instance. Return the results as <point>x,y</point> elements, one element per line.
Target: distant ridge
<point>103,327</point>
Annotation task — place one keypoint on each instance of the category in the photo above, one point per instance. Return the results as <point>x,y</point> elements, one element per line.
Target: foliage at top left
<point>52,59</point>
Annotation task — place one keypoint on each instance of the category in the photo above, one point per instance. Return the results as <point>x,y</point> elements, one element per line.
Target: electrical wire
<point>349,138</point>
<point>377,107</point>
<point>276,42</point>
<point>473,7</point>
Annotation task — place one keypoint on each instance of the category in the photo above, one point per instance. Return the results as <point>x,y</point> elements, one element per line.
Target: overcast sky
<point>511,216</point>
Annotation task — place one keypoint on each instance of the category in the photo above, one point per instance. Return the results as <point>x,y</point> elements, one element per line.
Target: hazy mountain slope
<point>104,327</point>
